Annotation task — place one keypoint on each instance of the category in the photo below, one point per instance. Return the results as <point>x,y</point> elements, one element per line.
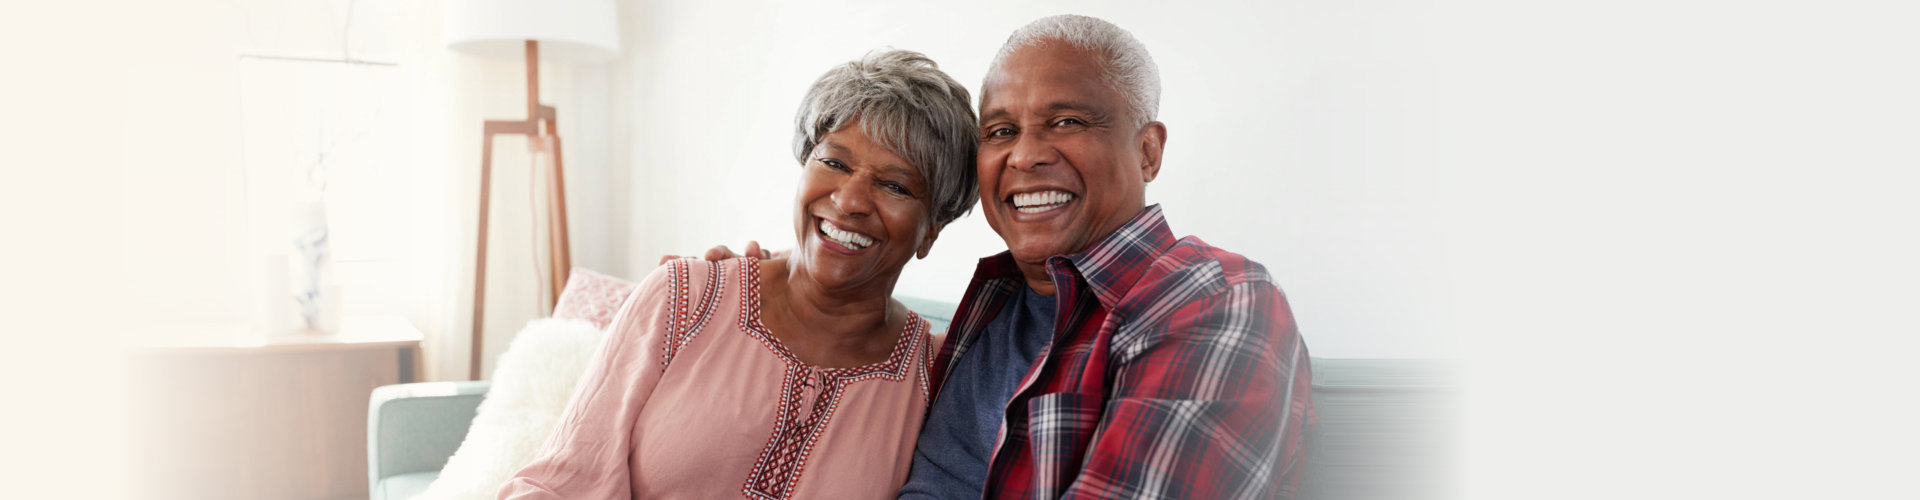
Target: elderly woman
<point>795,377</point>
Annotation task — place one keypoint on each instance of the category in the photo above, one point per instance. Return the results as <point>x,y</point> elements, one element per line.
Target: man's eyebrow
<point>994,114</point>
<point>1056,107</point>
<point>1073,106</point>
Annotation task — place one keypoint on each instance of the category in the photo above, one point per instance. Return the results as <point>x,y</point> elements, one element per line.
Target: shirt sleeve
<point>1214,405</point>
<point>586,455</point>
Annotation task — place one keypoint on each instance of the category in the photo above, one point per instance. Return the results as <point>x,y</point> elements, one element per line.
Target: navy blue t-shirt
<point>950,460</point>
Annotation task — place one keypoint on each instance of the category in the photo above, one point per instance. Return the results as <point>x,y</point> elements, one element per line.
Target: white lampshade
<point>568,30</point>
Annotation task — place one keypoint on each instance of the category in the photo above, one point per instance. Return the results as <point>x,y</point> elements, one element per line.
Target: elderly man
<point>1101,357</point>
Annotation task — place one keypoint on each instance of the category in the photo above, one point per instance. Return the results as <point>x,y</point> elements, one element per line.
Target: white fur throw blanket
<point>531,386</point>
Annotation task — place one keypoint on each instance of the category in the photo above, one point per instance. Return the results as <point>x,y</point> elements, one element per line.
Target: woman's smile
<point>849,241</point>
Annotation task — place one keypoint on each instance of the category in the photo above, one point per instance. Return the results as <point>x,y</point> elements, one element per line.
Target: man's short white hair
<point>1129,68</point>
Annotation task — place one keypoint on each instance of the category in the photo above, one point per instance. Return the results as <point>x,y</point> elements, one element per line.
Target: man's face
<point>1063,162</point>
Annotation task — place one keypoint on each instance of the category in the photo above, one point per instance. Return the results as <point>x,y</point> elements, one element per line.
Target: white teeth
<point>844,237</point>
<point>1033,203</point>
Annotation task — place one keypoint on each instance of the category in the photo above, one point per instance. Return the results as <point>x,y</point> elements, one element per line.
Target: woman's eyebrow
<point>903,171</point>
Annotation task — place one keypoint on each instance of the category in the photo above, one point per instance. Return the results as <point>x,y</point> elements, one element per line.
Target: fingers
<point>720,253</point>
<point>753,248</point>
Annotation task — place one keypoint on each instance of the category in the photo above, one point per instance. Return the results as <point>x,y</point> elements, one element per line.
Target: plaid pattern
<point>1176,372</point>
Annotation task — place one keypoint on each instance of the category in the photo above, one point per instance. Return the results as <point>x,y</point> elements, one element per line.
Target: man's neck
<point>1037,277</point>
<point>1035,272</point>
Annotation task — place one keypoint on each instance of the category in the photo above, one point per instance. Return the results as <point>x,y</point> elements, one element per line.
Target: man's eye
<point>1000,132</point>
<point>1063,122</point>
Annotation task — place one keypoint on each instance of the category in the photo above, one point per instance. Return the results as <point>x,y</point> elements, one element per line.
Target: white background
<point>1301,135</point>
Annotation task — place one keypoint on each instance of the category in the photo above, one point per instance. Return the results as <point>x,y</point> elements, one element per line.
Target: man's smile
<point>1039,201</point>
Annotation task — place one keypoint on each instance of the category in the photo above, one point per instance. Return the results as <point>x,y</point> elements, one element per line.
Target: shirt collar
<point>1113,265</point>
<point>1110,266</point>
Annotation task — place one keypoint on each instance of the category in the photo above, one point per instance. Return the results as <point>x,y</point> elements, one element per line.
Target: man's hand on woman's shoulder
<point>721,252</point>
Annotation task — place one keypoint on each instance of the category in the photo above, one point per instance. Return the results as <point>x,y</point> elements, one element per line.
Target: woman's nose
<point>853,196</point>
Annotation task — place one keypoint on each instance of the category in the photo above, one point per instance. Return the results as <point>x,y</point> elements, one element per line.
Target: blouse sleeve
<point>586,456</point>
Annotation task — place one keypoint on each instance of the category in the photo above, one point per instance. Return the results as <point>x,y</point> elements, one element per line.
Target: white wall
<point>1671,241</point>
<point>175,227</point>
<point>126,208</point>
<point>1301,135</point>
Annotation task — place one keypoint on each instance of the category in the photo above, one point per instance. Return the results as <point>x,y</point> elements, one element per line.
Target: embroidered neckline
<point>799,419</point>
<point>893,367</point>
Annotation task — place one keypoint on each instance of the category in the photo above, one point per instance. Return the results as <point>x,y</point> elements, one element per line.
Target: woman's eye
<point>897,188</point>
<point>834,164</point>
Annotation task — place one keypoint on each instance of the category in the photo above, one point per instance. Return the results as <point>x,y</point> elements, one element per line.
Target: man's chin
<point>1037,254</point>
<point>1045,239</point>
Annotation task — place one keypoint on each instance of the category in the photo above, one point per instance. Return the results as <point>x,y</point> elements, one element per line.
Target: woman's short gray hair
<point>1130,69</point>
<point>903,101</point>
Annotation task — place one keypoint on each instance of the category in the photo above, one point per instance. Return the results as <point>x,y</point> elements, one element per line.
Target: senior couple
<point>1099,357</point>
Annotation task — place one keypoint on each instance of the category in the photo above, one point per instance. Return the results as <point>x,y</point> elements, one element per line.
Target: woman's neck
<point>829,324</point>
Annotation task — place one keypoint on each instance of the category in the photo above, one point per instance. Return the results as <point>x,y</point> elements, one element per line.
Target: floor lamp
<point>568,30</point>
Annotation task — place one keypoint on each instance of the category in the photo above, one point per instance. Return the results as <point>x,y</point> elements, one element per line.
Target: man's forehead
<point>1047,60</point>
<point>1046,78</point>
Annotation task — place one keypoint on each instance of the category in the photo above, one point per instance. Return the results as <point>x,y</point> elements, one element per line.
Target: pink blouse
<point>691,397</point>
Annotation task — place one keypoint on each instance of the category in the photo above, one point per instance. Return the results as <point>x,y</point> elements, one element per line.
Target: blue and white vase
<point>316,298</point>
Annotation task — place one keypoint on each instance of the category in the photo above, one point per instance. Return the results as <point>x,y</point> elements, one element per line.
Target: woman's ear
<point>926,244</point>
<point>1153,141</point>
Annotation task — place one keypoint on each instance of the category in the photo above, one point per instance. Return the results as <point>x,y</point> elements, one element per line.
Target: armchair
<point>411,431</point>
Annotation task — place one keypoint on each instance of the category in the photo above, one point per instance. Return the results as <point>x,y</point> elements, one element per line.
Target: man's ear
<point>926,244</point>
<point>1153,142</point>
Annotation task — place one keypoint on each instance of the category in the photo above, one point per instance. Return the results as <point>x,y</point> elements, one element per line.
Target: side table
<point>223,412</point>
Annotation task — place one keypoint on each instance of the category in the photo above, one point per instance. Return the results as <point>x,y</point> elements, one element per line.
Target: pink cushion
<point>592,297</point>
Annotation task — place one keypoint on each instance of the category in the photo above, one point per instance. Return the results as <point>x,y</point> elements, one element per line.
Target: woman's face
<point>861,212</point>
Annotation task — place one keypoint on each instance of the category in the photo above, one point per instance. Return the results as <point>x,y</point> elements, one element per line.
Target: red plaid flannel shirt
<point>1175,372</point>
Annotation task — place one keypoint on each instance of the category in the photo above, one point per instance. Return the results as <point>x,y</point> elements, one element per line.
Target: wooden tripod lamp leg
<point>480,255</point>
<point>560,261</point>
<point>494,128</point>
<point>560,257</point>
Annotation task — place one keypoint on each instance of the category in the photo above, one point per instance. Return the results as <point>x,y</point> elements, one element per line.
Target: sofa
<point>1384,430</point>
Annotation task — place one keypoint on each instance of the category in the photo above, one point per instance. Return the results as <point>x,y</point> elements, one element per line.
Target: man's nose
<point>1031,151</point>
